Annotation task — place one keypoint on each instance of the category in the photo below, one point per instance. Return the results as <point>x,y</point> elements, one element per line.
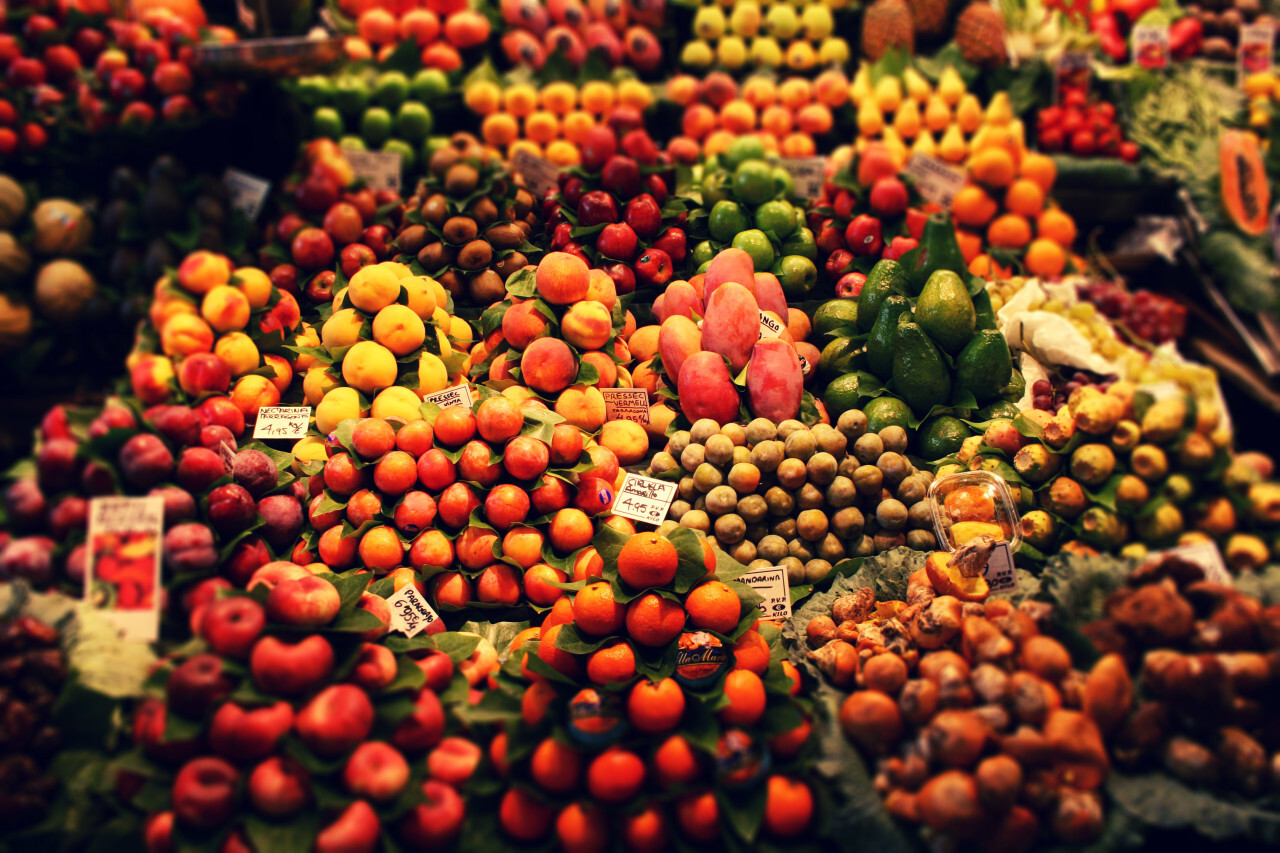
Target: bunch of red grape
<point>1147,315</point>
<point>1051,396</point>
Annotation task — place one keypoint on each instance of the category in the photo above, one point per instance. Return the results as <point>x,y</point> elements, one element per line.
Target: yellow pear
<point>860,88</point>
<point>952,147</point>
<point>937,115</point>
<point>950,86</point>
<point>888,93</point>
<point>870,119</point>
<point>906,121</point>
<point>924,146</point>
<point>918,88</point>
<point>1000,110</point>
<point>968,113</point>
<point>896,147</point>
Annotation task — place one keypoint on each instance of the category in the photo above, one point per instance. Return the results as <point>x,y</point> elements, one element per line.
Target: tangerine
<point>752,652</point>
<point>655,706</point>
<point>675,763</point>
<point>715,607</point>
<point>699,816</point>
<point>647,560</point>
<point>582,828</point>
<point>558,659</point>
<point>745,692</point>
<point>523,817</point>
<point>555,766</point>
<point>615,776</point>
<point>596,611</point>
<point>611,663</point>
<point>788,807</point>
<point>653,620</point>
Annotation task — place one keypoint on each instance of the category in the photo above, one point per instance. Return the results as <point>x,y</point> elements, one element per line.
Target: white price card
<point>1205,555</point>
<point>248,192</point>
<point>122,575</point>
<point>935,180</point>
<point>1257,50</point>
<point>410,613</point>
<point>1000,572</point>
<point>644,499</point>
<point>379,169</point>
<point>626,404</point>
<point>456,395</point>
<point>770,326</point>
<point>807,173</point>
<point>539,174</point>
<point>774,589</point>
<point>1150,46</point>
<point>282,422</point>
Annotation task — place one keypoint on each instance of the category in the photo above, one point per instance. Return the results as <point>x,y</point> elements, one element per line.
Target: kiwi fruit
<point>459,230</point>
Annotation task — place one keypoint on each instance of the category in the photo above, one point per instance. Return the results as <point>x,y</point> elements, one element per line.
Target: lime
<point>351,95</point>
<point>703,253</point>
<point>742,149</point>
<point>702,268</point>
<point>350,141</point>
<point>998,409</point>
<point>753,182</point>
<point>391,89</point>
<point>778,217</point>
<point>413,121</point>
<point>406,152</point>
<point>942,436</point>
<point>754,242</point>
<point>836,357</point>
<point>830,315</point>
<point>314,90</point>
<point>375,126</point>
<point>841,395</point>
<point>428,84</point>
<point>716,188</point>
<point>801,242</point>
<point>783,184</point>
<point>886,412</point>
<point>327,122</point>
<point>726,220</point>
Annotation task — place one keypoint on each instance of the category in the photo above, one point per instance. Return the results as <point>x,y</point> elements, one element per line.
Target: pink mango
<point>769,295</point>
<point>680,298</point>
<point>659,307</point>
<point>731,325</point>
<point>707,389</point>
<point>678,339</point>
<point>775,383</point>
<point>730,265</point>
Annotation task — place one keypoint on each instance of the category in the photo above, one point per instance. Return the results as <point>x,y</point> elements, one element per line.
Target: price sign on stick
<point>379,169</point>
<point>626,404</point>
<point>282,422</point>
<point>410,612</point>
<point>458,395</point>
<point>644,499</point>
<point>999,571</point>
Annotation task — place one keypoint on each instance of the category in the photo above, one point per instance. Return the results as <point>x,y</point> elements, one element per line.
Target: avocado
<point>886,412</point>
<point>880,341</point>
<point>920,376</point>
<point>941,436</point>
<point>998,409</point>
<point>833,314</point>
<point>945,311</point>
<point>834,360</point>
<point>162,206</point>
<point>885,279</point>
<point>984,366</point>
<point>985,315</point>
<point>941,251</point>
<point>841,395</point>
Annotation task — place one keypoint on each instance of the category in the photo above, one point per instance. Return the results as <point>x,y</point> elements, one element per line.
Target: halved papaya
<point>1246,195</point>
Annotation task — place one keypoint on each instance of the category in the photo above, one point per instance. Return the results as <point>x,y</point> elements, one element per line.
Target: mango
<point>769,295</point>
<point>775,383</point>
<point>707,389</point>
<point>731,265</point>
<point>678,339</point>
<point>680,298</point>
<point>731,325</point>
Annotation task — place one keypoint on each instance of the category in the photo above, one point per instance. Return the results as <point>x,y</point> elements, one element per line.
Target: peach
<point>581,406</point>
<point>451,588</point>
<point>644,376</point>
<point>678,339</point>
<point>566,445</point>
<point>373,288</point>
<point>507,505</point>
<point>769,295</point>
<point>538,580</point>
<point>316,382</point>
<point>203,373</point>
<point>731,265</point>
<point>775,384</point>
<point>628,324</point>
<point>396,402</point>
<point>548,365</point>
<point>499,419</point>
<point>474,547</point>
<point>307,336</point>
<point>283,377</point>
<point>342,329</point>
<point>602,289</point>
<point>239,352</point>
<point>422,298</point>
<point>186,334</point>
<point>643,342</point>
<point>562,279</point>
<point>797,323</point>
<point>627,439</point>
<point>369,367</point>
<point>250,393</point>
<point>433,376</point>
<point>605,365</point>
<point>399,329</point>
<point>225,308</point>
<point>680,298</point>
<point>707,389</point>
<point>661,416</point>
<point>337,405</point>
<point>202,271</point>
<point>587,325</point>
<point>731,325</point>
<point>499,584</point>
<point>523,324</point>
<point>551,495</point>
<point>254,284</point>
<point>152,379</point>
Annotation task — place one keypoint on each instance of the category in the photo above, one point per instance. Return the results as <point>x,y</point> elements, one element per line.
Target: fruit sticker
<point>644,499</point>
<point>248,192</point>
<point>380,170</point>
<point>1151,46</point>
<point>770,325</point>
<point>123,572</point>
<point>626,404</point>
<point>1206,555</point>
<point>1256,53</point>
<point>410,612</point>
<point>774,589</point>
<point>282,422</point>
<point>934,180</point>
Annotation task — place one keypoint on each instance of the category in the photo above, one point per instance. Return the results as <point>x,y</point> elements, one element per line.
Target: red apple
<point>204,793</point>
<point>654,268</point>
<point>618,242</point>
<point>291,669</point>
<point>436,823</point>
<point>312,249</point>
<point>453,761</point>
<point>344,223</point>
<point>674,242</point>
<point>888,197</point>
<point>157,833</point>
<point>249,735</point>
<point>376,770</point>
<point>898,247</point>
<point>279,787</point>
<point>597,208</point>
<point>621,175</point>
<point>624,278</point>
<point>338,718</point>
<point>378,238</point>
<point>864,236</point>
<point>356,830</point>
<point>599,145</point>
<point>308,601</point>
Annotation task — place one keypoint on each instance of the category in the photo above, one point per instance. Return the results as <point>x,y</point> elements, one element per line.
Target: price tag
<point>626,404</point>
<point>999,572</point>
<point>410,613</point>
<point>774,588</point>
<point>770,326</point>
<point>379,169</point>
<point>807,173</point>
<point>1205,555</point>
<point>282,422</point>
<point>539,174</point>
<point>1073,72</point>
<point>1257,51</point>
<point>1151,46</point>
<point>456,395</point>
<point>248,192</point>
<point>644,499</point>
<point>227,455</point>
<point>935,181</point>
<point>122,577</point>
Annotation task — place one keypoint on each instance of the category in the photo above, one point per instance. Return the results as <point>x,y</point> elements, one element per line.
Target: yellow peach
<point>399,329</point>
<point>283,371</point>
<point>239,352</point>
<point>582,406</point>
<point>422,297</point>
<point>309,449</point>
<point>373,288</point>
<point>395,402</point>
<point>307,337</point>
<point>342,329</point>
<point>432,374</point>
<point>202,271</point>
<point>251,393</point>
<point>225,308</point>
<point>186,334</point>
<point>587,325</point>
<point>337,406</point>
<point>316,382</point>
<point>369,367</point>
<point>254,284</point>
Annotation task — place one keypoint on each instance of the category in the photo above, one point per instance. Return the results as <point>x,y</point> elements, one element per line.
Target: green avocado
<point>833,314</point>
<point>885,279</point>
<point>984,366</point>
<point>880,341</point>
<point>920,376</point>
<point>945,311</point>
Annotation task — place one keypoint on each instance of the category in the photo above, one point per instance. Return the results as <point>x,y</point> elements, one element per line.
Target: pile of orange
<point>441,29</point>
<point>786,115</point>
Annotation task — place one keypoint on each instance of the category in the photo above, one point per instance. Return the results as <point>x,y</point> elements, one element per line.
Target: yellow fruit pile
<point>765,35</point>
<point>1263,90</point>
<point>553,121</point>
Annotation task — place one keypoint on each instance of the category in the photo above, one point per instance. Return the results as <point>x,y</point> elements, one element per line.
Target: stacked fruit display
<point>621,34</point>
<point>386,111</point>
<point>469,223</point>
<point>658,646</point>
<point>766,36</point>
<point>68,72</point>
<point>786,116</point>
<point>804,498</point>
<point>436,32</point>
<point>34,671</point>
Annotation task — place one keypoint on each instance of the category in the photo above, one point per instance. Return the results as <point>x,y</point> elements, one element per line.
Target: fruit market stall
<point>587,426</point>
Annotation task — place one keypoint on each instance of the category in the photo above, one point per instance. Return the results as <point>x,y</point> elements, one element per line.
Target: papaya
<point>1246,195</point>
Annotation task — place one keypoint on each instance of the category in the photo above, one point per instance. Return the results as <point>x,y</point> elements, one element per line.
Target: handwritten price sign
<point>539,175</point>
<point>458,395</point>
<point>410,613</point>
<point>774,588</point>
<point>770,326</point>
<point>936,181</point>
<point>626,404</point>
<point>644,499</point>
<point>282,422</point>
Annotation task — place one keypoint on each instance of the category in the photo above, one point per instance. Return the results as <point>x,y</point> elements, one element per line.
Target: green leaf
<point>571,640</point>
<point>298,833</point>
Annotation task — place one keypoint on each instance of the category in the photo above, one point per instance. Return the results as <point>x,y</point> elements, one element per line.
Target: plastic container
<point>979,500</point>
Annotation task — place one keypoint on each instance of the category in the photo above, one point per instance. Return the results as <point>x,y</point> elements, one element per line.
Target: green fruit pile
<point>804,498</point>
